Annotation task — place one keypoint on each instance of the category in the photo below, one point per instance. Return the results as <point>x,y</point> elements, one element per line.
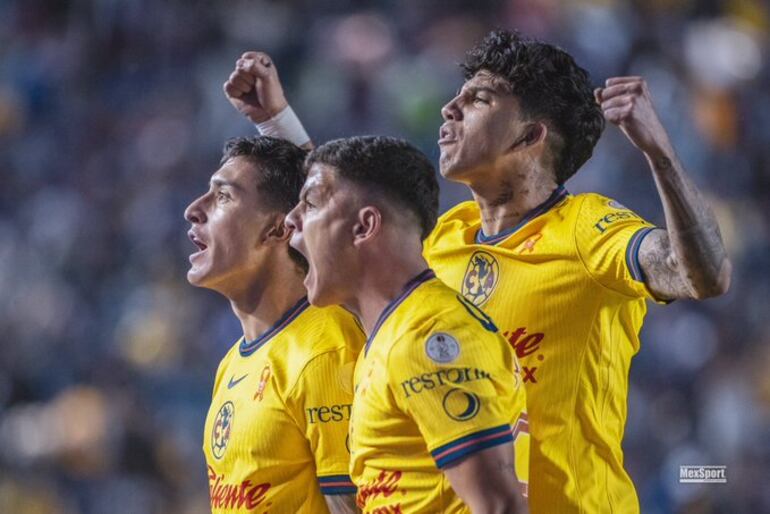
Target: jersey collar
<point>558,195</point>
<point>248,347</point>
<point>410,286</point>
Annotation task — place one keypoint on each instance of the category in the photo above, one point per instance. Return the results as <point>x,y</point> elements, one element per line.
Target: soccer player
<point>566,277</point>
<point>439,421</point>
<point>275,434</point>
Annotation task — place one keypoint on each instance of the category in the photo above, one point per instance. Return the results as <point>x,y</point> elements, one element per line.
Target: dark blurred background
<point>112,119</point>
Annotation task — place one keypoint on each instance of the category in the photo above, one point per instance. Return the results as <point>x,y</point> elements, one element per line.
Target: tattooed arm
<point>688,259</point>
<point>342,504</point>
<point>486,481</point>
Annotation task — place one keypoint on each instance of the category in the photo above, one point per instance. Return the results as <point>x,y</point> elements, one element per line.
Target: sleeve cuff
<point>336,484</point>
<point>467,445</point>
<point>632,253</point>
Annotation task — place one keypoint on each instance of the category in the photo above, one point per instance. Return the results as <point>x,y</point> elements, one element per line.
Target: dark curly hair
<point>550,86</point>
<point>281,173</point>
<point>391,167</point>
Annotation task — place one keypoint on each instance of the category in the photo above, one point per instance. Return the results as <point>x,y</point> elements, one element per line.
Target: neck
<point>265,299</point>
<point>379,288</point>
<point>504,201</point>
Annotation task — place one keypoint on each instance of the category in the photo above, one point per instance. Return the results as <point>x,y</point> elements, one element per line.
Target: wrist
<point>284,125</point>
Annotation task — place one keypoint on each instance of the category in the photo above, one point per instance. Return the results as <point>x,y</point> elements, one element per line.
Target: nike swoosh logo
<point>234,382</point>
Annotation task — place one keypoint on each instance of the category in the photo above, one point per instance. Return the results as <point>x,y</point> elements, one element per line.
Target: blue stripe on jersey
<point>632,253</point>
<point>410,286</point>
<point>459,448</point>
<point>558,195</point>
<point>248,347</point>
<point>336,484</point>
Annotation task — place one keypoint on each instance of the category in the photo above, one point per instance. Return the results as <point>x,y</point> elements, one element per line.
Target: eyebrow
<point>219,182</point>
<point>476,89</point>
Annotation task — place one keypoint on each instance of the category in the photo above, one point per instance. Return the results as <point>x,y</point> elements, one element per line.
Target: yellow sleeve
<point>458,380</point>
<point>453,220</point>
<point>608,236</point>
<point>321,402</point>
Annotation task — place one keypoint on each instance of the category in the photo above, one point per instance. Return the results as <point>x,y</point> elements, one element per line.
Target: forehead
<point>487,79</point>
<point>321,177</point>
<point>238,172</point>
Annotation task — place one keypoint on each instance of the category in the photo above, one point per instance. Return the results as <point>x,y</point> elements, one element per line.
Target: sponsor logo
<point>383,486</point>
<point>703,474</point>
<point>263,378</point>
<point>428,381</point>
<point>609,219</point>
<point>526,345</point>
<point>234,382</point>
<point>528,246</point>
<point>231,496</point>
<point>442,348</point>
<point>220,433</point>
<point>461,405</point>
<point>481,277</point>
<point>329,413</point>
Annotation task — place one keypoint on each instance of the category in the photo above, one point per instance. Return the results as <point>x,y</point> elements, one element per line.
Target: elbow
<point>717,285</point>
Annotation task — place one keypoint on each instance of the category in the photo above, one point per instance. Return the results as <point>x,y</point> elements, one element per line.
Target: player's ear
<point>277,232</point>
<point>368,224</point>
<point>533,134</point>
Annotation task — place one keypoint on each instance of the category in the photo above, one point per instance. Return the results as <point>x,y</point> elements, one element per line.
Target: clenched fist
<point>626,102</point>
<point>254,88</point>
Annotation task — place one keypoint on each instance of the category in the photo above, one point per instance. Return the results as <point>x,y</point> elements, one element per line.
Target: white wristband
<point>284,125</point>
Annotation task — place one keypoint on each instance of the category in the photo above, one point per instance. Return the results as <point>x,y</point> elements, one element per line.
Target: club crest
<point>481,277</point>
<point>220,432</point>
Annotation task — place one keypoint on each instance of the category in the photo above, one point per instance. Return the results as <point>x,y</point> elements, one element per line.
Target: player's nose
<point>451,111</point>
<point>292,220</point>
<point>194,213</point>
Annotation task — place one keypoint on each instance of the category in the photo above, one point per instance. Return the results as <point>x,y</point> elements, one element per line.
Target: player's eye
<point>222,196</point>
<point>480,99</point>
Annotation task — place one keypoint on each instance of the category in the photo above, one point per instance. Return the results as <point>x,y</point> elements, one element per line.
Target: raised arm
<point>486,481</point>
<point>688,259</point>
<point>255,90</point>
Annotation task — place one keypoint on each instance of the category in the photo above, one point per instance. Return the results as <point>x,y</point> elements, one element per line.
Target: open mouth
<point>197,242</point>
<point>446,136</point>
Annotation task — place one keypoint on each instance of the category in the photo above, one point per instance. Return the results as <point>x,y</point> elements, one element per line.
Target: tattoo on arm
<point>689,259</point>
<point>342,504</point>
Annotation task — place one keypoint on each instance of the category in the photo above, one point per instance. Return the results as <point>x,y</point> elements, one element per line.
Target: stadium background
<point>112,118</point>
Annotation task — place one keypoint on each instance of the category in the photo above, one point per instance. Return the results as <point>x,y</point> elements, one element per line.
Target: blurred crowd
<point>112,119</point>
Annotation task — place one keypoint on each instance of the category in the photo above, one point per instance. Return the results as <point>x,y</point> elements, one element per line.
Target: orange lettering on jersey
<point>262,383</point>
<point>528,246</point>
<point>228,496</point>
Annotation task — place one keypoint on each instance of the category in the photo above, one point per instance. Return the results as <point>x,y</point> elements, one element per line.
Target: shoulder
<point>440,322</point>
<point>588,204</point>
<point>326,341</point>
<point>320,330</point>
<point>462,215</point>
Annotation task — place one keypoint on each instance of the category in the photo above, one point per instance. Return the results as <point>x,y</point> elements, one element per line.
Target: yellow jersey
<point>567,291</point>
<point>435,383</point>
<point>275,437</point>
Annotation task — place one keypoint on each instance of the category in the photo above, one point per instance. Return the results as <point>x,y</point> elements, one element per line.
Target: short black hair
<point>392,167</point>
<point>281,173</point>
<point>550,86</point>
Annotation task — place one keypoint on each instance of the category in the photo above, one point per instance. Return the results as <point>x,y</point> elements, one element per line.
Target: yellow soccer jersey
<point>434,384</point>
<point>566,289</point>
<point>275,438</point>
